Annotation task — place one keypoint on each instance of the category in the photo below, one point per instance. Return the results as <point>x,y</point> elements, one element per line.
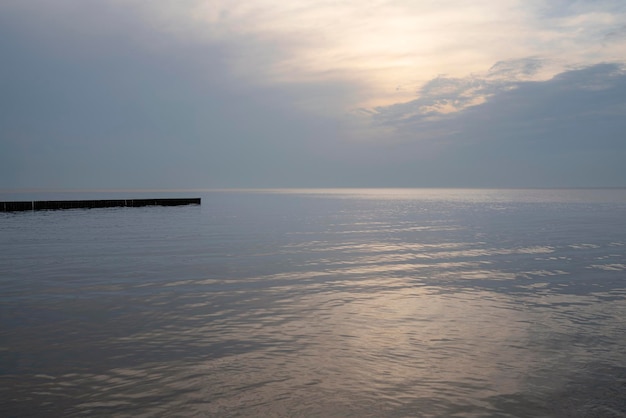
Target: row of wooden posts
<point>88,204</point>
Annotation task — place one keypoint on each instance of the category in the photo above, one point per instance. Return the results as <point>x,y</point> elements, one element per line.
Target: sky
<point>312,93</point>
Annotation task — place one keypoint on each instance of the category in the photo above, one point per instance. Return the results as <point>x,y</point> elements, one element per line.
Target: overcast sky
<point>312,93</point>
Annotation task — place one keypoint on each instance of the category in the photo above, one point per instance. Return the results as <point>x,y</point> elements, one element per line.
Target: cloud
<point>239,93</point>
<point>443,99</point>
<point>517,69</point>
<point>564,131</point>
<point>387,48</point>
<point>90,104</point>
<point>445,95</point>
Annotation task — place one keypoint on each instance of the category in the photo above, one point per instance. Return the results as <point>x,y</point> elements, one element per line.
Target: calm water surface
<point>386,303</point>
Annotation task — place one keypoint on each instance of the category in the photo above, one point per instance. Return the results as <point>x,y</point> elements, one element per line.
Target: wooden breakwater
<point>90,204</point>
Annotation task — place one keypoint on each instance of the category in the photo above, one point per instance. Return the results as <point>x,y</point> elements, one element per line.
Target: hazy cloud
<point>508,102</point>
<point>566,130</point>
<point>442,96</point>
<point>132,93</point>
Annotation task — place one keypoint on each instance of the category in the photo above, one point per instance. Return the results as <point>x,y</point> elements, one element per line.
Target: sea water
<point>384,303</point>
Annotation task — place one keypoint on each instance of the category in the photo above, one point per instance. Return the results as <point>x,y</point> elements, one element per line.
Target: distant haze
<point>208,94</point>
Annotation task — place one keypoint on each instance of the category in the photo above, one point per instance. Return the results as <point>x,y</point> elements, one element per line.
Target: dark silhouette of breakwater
<point>90,204</point>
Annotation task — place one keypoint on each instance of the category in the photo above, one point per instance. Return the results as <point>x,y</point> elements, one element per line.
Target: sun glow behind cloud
<point>314,93</point>
<point>391,48</point>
